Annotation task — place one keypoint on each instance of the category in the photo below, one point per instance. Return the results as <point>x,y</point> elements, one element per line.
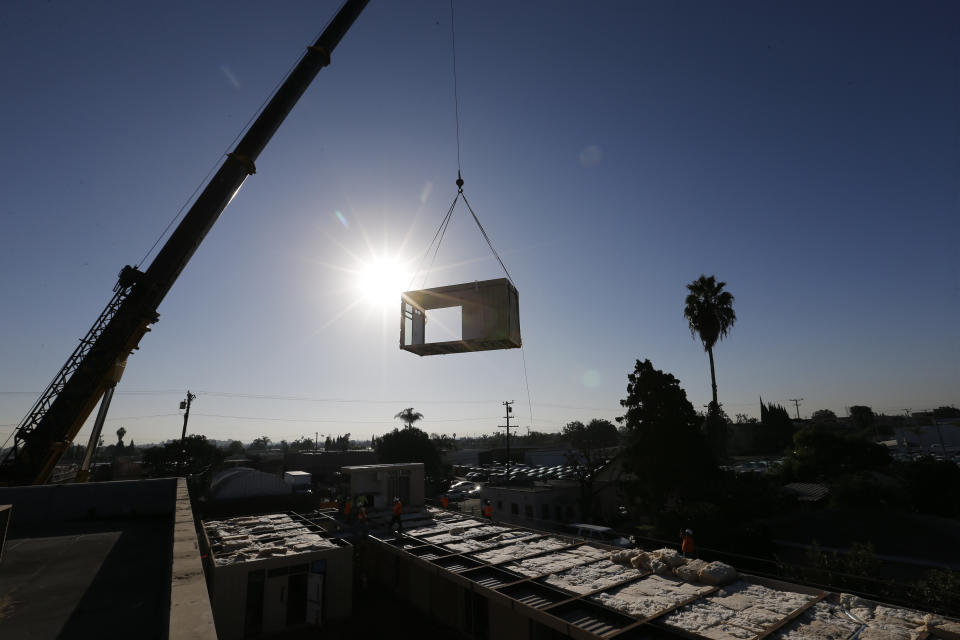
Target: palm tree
<point>409,416</point>
<point>709,311</point>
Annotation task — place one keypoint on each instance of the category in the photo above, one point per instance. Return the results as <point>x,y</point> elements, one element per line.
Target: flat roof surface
<point>558,580</point>
<point>88,580</point>
<point>251,538</point>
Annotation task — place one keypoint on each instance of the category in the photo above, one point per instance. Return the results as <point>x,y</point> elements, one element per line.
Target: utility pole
<point>316,440</point>
<point>185,405</point>
<point>509,410</point>
<point>796,402</point>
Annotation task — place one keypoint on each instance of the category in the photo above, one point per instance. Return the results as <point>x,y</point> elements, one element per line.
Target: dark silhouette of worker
<point>687,548</point>
<point>397,512</point>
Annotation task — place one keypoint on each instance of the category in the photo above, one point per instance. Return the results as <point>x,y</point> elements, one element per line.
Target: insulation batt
<point>454,535</point>
<point>669,557</point>
<point>637,600</point>
<point>690,571</point>
<point>751,594</point>
<point>718,573</point>
<point>699,616</point>
<point>648,607</point>
<point>240,539</point>
<point>468,545</point>
<point>625,556</point>
<point>555,562</point>
<point>888,623</point>
<point>590,577</point>
<point>519,550</point>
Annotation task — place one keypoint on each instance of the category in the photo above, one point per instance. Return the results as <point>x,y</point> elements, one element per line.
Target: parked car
<point>462,485</point>
<point>606,535</point>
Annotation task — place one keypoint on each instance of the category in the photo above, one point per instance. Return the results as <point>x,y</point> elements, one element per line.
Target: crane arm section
<point>47,431</point>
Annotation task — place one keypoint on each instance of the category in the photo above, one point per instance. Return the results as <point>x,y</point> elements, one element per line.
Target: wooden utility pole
<point>508,426</point>
<point>796,402</point>
<point>185,405</point>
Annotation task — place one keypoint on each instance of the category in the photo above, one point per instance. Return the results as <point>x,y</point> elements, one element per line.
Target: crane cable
<point>445,223</point>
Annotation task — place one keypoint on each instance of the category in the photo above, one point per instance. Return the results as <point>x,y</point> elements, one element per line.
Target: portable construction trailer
<point>490,317</point>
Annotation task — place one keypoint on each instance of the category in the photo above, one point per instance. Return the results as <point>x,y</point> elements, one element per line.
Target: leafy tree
<point>342,443</point>
<point>715,430</point>
<point>328,444</point>
<point>709,312</point>
<point>743,418</point>
<point>235,448</point>
<point>260,444</point>
<point>662,428</point>
<point>443,442</point>
<point>777,433</point>
<point>863,419</point>
<point>197,458</point>
<point>824,416</point>
<point>822,454</point>
<point>589,444</point>
<point>939,591</point>
<point>409,417</point>
<point>408,445</point>
<point>303,443</point>
<point>120,433</point>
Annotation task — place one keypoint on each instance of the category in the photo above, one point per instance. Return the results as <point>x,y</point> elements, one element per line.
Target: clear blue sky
<point>806,153</point>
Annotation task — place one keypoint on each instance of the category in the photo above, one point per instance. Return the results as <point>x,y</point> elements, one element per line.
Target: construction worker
<point>362,516</point>
<point>687,547</point>
<point>487,510</point>
<point>347,509</point>
<point>445,501</point>
<point>397,512</point>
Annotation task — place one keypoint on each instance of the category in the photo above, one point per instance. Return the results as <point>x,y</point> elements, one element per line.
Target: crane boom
<point>47,431</point>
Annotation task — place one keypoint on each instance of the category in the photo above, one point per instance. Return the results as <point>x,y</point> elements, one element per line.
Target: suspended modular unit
<point>490,317</point>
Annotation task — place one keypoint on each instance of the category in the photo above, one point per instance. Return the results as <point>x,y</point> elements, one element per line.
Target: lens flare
<point>382,280</point>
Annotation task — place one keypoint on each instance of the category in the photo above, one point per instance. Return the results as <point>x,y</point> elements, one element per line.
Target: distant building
<point>243,482</point>
<point>324,465</point>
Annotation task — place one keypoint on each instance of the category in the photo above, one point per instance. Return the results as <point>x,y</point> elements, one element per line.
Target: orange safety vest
<point>397,508</point>
<point>487,511</point>
<point>686,545</point>
<point>445,502</point>
<point>346,508</point>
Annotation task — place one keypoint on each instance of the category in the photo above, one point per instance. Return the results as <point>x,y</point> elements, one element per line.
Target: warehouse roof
<point>566,583</point>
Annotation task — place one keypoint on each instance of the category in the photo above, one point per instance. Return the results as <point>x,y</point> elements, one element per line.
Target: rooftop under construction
<point>541,585</point>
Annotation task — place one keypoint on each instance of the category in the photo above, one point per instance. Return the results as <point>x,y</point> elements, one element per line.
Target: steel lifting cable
<point>445,223</point>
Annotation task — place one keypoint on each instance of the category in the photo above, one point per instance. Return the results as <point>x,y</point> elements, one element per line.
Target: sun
<point>380,281</point>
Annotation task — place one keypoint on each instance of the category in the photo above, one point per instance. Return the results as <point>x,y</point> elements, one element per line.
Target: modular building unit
<point>275,573</point>
<point>490,317</point>
<point>381,483</point>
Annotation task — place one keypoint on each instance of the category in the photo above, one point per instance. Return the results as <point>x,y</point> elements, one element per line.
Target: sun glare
<point>382,280</point>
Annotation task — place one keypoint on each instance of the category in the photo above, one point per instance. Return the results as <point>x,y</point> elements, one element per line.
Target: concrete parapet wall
<point>48,505</point>
<point>191,617</point>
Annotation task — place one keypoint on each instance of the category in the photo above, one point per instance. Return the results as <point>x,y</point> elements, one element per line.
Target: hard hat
<point>689,532</point>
